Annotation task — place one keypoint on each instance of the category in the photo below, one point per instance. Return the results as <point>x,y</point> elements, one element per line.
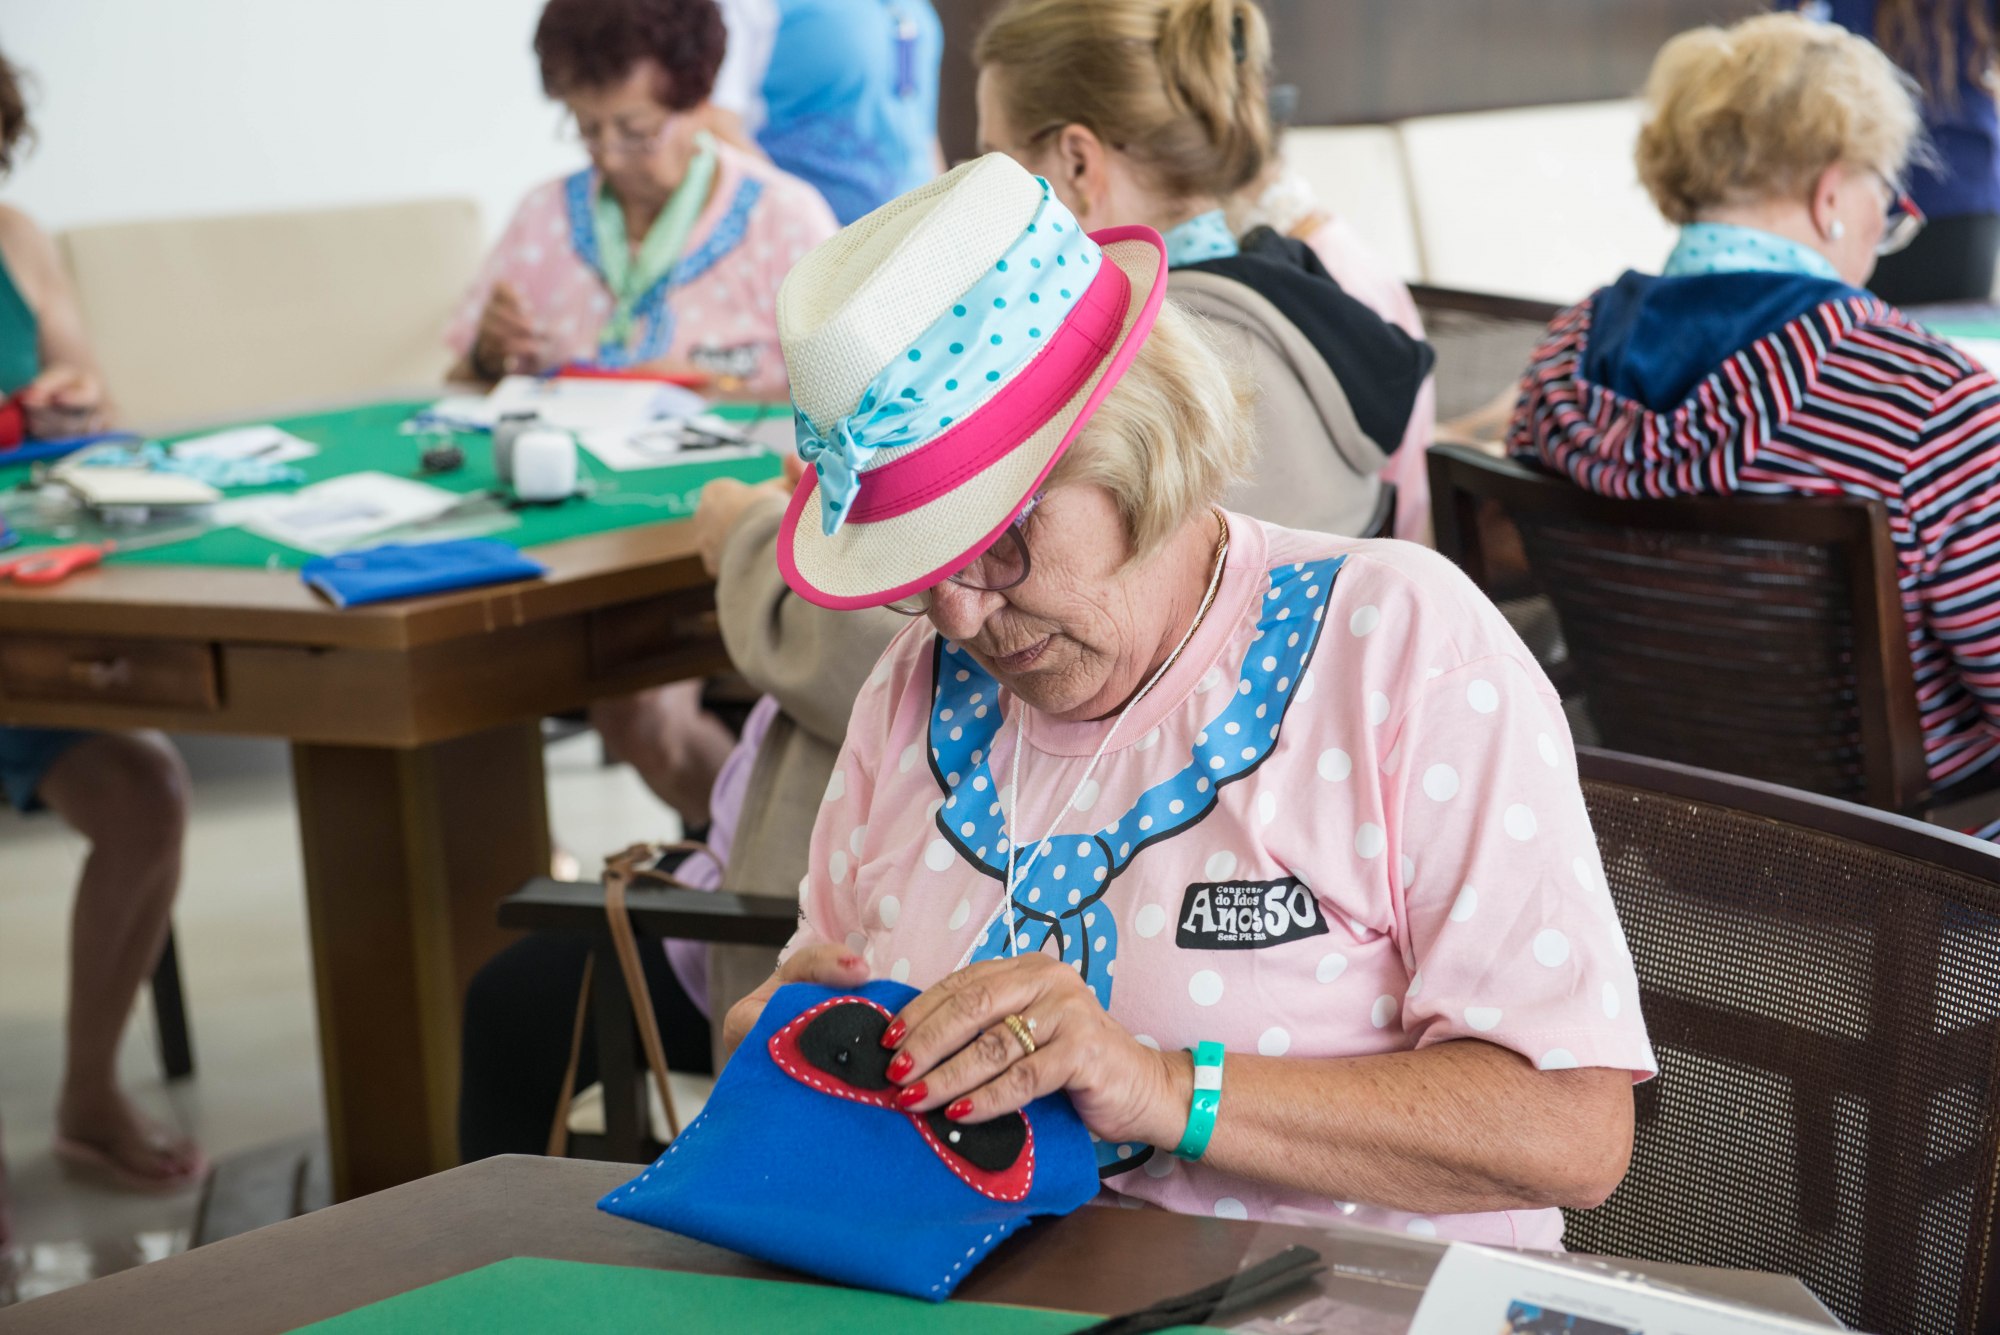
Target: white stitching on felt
<point>950,1161</point>
<point>810,1075</point>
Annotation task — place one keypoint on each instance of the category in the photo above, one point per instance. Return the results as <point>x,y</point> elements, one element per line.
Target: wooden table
<point>1096,1260</point>
<point>416,756</point>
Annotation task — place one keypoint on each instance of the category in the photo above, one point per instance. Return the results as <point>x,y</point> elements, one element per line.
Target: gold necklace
<point>1207,598</point>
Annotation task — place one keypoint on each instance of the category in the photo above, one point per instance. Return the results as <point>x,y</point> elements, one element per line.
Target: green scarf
<point>631,276</point>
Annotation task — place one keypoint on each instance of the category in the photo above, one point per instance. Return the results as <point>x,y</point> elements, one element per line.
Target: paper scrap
<point>704,439</point>
<point>267,443</point>
<point>568,403</point>
<point>342,512</point>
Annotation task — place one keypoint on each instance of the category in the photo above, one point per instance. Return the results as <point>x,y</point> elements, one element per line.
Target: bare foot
<point>110,1137</point>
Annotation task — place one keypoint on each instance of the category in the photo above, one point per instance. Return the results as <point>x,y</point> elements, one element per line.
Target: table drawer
<point>653,632</point>
<point>109,671</point>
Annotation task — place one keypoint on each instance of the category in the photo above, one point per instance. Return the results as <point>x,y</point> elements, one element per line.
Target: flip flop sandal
<point>89,1163</point>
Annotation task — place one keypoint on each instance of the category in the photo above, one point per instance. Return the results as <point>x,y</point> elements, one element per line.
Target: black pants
<point>519,1012</point>
<point>1952,259</point>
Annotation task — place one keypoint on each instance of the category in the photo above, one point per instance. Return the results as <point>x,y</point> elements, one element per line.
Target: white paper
<point>667,442</point>
<point>248,442</point>
<point>570,403</point>
<point>343,512</point>
<point>1481,1290</point>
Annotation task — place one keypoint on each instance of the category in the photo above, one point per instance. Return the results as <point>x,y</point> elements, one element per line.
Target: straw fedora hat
<point>944,351</point>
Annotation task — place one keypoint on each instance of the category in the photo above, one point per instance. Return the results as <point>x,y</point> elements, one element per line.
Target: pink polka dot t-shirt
<point>717,308</point>
<point>1347,821</point>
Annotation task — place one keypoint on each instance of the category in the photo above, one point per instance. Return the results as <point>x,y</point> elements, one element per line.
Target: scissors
<point>53,565</point>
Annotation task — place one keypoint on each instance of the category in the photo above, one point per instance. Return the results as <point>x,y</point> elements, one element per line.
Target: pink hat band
<point>974,443</point>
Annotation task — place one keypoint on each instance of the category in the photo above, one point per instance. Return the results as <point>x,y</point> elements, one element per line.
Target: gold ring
<point>1019,1027</point>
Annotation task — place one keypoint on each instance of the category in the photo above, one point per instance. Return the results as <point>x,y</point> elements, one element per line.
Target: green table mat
<point>532,1296</point>
<point>1965,328</point>
<point>356,440</point>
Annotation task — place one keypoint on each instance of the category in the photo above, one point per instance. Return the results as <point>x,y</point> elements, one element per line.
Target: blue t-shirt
<point>1965,135</point>
<point>850,98</point>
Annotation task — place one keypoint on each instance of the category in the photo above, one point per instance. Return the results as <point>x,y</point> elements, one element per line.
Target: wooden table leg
<point>407,854</point>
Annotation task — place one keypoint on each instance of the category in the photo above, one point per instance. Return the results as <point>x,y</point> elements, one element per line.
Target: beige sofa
<point>212,317</point>
<point>1537,202</point>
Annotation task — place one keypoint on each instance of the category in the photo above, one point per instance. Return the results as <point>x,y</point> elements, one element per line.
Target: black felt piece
<point>990,1145</point>
<point>845,1041</point>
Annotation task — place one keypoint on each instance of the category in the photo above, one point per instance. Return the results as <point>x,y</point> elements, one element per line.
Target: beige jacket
<point>1315,468</point>
<point>814,662</point>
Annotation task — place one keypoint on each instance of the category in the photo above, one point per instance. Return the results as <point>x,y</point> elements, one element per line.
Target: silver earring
<point>1836,229</point>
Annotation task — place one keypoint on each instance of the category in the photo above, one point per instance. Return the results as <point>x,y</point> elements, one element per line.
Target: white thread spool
<point>505,432</point>
<point>544,465</point>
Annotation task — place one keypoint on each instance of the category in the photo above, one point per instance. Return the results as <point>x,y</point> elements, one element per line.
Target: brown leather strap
<point>559,1131</point>
<point>620,870</point>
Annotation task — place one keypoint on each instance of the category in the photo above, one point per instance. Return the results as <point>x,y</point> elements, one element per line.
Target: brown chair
<point>170,1013</point>
<point>1761,636</point>
<point>1382,521</point>
<point>578,906</point>
<point>1821,982</point>
<point>1483,343</point>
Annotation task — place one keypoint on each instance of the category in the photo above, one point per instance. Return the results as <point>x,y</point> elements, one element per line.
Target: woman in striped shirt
<point>1756,363</point>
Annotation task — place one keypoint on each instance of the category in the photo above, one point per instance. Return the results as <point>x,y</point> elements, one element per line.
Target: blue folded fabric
<point>404,570</point>
<point>800,1157</point>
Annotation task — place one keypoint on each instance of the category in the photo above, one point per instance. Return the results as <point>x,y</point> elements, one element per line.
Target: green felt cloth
<point>358,440</point>
<point>539,1297</point>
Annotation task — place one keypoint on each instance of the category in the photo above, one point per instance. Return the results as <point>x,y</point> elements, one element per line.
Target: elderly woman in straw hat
<point>1267,846</point>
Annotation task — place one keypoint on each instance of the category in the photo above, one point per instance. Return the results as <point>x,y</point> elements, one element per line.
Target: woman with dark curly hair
<point>126,793</point>
<point>667,249</point>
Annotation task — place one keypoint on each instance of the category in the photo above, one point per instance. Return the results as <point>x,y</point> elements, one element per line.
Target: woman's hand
<point>722,503</point>
<point>956,1052</point>
<point>64,401</point>
<point>827,964</point>
<point>507,341</point>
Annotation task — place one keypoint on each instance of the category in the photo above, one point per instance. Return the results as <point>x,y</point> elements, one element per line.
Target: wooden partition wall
<point>1360,61</point>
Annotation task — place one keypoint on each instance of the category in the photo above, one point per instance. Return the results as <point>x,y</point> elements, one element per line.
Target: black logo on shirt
<point>1247,915</point>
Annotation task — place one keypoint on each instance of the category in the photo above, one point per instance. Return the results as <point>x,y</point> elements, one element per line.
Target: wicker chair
<point>1483,343</point>
<point>1761,636</point>
<point>1820,983</point>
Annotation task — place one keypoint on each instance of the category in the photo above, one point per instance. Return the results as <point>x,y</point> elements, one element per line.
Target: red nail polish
<point>959,1111</point>
<point>852,962</point>
<point>894,1033</point>
<point>912,1096</point>
<point>900,1064</point>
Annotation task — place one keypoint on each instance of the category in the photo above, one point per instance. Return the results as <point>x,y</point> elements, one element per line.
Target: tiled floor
<point>241,928</point>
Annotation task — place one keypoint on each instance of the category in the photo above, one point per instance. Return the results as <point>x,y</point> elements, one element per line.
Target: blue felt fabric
<point>404,570</point>
<point>1654,339</point>
<point>778,1170</point>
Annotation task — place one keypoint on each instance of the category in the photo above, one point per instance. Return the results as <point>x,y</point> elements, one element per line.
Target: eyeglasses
<point>1904,220</point>
<point>614,138</point>
<point>1002,566</point>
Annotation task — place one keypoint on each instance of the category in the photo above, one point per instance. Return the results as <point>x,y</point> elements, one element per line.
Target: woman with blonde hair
<point>1162,805</point>
<point>1154,112</point>
<point>1755,362</point>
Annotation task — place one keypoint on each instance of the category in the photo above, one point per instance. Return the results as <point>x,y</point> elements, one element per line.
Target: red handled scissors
<point>53,565</point>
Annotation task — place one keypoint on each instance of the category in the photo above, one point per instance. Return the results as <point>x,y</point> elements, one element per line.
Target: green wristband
<point>1206,1103</point>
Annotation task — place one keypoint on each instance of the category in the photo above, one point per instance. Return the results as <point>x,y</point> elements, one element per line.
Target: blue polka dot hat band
<point>995,327</point>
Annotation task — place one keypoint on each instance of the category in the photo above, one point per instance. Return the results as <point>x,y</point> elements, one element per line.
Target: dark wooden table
<point>1096,1260</point>
<point>417,760</point>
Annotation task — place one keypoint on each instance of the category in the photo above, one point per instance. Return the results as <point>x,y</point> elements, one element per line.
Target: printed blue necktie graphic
<point>1058,891</point>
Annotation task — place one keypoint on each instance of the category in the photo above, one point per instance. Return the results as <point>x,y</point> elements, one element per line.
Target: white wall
<point>176,108</point>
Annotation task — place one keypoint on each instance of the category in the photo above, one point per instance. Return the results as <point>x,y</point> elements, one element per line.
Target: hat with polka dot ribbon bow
<point>944,351</point>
